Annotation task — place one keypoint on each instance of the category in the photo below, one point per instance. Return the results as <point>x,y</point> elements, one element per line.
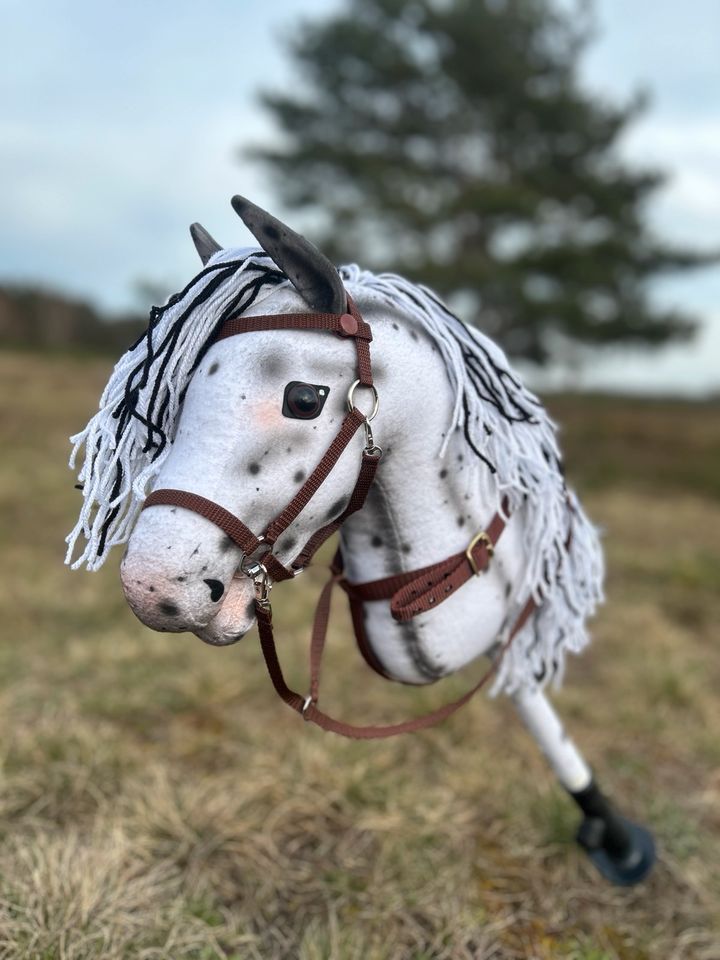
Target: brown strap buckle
<point>481,537</point>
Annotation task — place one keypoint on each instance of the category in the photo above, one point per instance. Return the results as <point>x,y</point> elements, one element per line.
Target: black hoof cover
<point>623,868</point>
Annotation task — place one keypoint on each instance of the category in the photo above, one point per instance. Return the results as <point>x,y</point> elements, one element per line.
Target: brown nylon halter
<point>411,593</point>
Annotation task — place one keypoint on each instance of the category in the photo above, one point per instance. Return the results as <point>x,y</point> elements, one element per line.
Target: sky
<point>120,124</point>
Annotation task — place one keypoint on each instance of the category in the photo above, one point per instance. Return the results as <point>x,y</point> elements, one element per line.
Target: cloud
<point>688,206</point>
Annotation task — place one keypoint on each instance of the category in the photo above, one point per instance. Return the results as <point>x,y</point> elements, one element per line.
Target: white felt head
<point>183,411</point>
<point>234,445</point>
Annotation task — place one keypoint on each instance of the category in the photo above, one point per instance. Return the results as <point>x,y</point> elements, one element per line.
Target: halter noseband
<point>410,593</point>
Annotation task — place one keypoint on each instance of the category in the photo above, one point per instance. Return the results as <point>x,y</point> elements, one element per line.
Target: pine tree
<point>452,141</point>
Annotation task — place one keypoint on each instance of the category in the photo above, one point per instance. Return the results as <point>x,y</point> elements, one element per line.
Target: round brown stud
<point>348,325</point>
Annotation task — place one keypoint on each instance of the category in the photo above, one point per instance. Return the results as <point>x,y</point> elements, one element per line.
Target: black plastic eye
<point>304,401</point>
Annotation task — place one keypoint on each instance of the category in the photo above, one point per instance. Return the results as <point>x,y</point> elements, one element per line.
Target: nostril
<point>169,609</point>
<point>216,589</point>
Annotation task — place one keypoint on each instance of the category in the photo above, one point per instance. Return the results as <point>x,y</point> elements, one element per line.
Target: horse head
<point>258,415</point>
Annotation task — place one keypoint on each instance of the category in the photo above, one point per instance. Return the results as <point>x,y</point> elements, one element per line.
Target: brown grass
<point>157,801</point>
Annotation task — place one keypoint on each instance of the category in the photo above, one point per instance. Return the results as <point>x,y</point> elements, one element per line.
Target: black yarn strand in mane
<point>468,439</point>
<point>238,305</point>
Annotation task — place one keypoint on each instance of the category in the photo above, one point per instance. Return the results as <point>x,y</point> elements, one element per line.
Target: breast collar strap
<point>410,594</point>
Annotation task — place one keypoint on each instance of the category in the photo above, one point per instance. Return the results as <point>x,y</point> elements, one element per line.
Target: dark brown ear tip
<point>240,204</point>
<point>311,273</point>
<point>205,244</point>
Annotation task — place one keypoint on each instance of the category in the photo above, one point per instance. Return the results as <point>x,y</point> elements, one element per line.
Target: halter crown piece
<point>410,593</point>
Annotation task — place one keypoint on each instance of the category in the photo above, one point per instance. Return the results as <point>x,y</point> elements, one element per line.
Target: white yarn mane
<point>510,434</point>
<point>504,425</point>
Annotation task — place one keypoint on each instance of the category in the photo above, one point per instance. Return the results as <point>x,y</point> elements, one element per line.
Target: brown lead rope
<point>307,706</point>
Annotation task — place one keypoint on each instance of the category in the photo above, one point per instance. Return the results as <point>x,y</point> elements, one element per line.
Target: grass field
<point>157,800</point>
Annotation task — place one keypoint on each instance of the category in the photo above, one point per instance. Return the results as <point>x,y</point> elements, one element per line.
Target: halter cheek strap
<point>411,593</point>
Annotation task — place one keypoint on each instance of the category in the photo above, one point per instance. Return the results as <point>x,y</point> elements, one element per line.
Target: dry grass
<point>157,801</point>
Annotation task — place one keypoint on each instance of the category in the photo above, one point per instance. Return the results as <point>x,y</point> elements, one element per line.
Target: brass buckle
<point>481,537</point>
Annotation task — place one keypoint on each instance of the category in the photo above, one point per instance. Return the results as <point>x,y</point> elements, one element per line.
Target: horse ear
<point>204,243</point>
<point>313,276</point>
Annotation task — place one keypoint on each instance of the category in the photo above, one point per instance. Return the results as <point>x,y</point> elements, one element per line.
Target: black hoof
<point>623,868</point>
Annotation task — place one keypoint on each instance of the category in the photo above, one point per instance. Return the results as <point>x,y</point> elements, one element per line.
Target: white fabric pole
<point>545,727</point>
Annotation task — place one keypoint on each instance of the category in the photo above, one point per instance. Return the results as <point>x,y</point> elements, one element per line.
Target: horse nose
<point>177,568</point>
<point>235,616</point>
<point>169,601</point>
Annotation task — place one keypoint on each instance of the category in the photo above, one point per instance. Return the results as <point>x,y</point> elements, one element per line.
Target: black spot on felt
<point>299,476</point>
<point>250,610</point>
<point>271,232</point>
<point>151,589</point>
<point>216,589</point>
<point>214,367</point>
<point>414,335</point>
<point>508,590</point>
<point>376,541</point>
<point>254,468</point>
<point>225,544</point>
<point>395,327</point>
<point>180,579</point>
<point>336,509</point>
<point>461,521</point>
<point>169,609</point>
<point>405,547</point>
<point>273,365</point>
<point>289,543</point>
<point>443,474</point>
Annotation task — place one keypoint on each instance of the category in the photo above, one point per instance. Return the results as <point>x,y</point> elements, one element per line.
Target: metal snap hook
<point>257,572</point>
<point>371,448</point>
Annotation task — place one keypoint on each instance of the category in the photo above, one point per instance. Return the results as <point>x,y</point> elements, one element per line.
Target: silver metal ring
<point>308,700</point>
<point>376,398</point>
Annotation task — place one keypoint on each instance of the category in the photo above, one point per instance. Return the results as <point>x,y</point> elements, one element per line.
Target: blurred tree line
<point>47,320</point>
<point>453,142</point>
